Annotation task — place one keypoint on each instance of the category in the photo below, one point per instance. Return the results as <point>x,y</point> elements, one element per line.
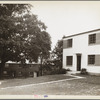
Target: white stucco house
<point>82,50</point>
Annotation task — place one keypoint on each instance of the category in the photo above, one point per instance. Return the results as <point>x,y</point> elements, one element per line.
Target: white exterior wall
<point>80,45</point>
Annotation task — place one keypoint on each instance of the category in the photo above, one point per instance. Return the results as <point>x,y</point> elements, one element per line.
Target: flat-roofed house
<point>82,50</point>
<point>15,70</point>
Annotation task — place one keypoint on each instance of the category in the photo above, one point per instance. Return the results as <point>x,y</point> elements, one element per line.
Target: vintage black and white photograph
<point>50,48</point>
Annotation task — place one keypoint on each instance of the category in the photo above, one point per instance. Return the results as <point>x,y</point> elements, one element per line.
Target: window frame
<point>91,59</point>
<point>69,61</point>
<point>69,43</point>
<point>31,73</point>
<point>20,73</point>
<point>92,39</point>
<point>5,72</point>
<point>6,65</point>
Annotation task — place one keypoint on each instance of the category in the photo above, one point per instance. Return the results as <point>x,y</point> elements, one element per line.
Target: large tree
<point>58,53</point>
<point>40,47</point>
<point>22,35</point>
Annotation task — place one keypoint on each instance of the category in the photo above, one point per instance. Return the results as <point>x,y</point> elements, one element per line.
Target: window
<point>31,65</point>
<point>31,74</point>
<point>69,60</point>
<point>6,65</point>
<point>5,72</point>
<point>91,59</point>
<point>69,43</point>
<point>20,65</point>
<point>19,73</point>
<point>92,39</point>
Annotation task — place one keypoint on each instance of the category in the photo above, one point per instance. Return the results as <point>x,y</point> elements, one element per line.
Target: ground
<point>52,85</point>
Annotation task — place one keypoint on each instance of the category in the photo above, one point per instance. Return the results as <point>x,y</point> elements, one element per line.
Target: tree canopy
<point>22,35</point>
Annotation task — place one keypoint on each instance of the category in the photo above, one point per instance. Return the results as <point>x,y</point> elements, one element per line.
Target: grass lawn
<point>25,81</point>
<point>90,79</point>
<point>90,86</point>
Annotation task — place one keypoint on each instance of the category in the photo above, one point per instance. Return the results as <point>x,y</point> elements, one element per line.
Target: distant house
<point>82,51</point>
<point>13,70</point>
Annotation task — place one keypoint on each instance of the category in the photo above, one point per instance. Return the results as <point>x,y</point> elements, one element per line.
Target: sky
<point>67,17</point>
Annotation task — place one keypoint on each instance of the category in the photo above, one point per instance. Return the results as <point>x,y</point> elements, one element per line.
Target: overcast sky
<point>67,17</point>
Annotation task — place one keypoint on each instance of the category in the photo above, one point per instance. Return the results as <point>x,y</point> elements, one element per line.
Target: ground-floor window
<point>6,65</point>
<point>19,73</point>
<point>5,72</point>
<point>31,73</point>
<point>69,60</point>
<point>91,59</point>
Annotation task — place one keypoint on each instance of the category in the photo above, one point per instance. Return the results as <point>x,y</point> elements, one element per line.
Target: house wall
<point>81,46</point>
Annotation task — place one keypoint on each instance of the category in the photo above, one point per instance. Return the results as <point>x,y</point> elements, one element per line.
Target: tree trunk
<point>2,65</point>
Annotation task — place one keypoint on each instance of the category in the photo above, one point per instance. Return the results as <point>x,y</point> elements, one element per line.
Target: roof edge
<point>81,33</point>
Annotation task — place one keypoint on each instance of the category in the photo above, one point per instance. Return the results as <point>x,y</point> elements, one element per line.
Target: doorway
<point>78,62</point>
<point>35,74</point>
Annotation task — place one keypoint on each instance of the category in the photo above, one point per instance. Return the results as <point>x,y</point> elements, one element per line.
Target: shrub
<point>83,71</point>
<point>61,71</point>
<point>68,69</point>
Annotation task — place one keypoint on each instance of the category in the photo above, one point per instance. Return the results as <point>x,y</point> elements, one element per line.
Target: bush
<point>83,71</point>
<point>61,71</point>
<point>68,69</point>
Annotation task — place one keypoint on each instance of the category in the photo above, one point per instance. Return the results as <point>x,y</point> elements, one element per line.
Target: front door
<point>78,62</point>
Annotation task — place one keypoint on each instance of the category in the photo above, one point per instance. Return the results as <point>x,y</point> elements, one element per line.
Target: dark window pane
<point>69,60</point>
<point>31,73</point>
<point>19,73</point>
<point>91,59</point>
<point>69,43</point>
<point>92,38</point>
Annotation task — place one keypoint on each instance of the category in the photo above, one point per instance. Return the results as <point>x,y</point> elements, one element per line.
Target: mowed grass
<point>91,79</point>
<point>25,81</point>
<point>89,86</point>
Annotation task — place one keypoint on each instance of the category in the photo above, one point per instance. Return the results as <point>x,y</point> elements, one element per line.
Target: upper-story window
<point>92,38</point>
<point>69,43</point>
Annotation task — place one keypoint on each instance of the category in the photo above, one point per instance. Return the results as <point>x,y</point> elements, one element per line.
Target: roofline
<point>81,33</point>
